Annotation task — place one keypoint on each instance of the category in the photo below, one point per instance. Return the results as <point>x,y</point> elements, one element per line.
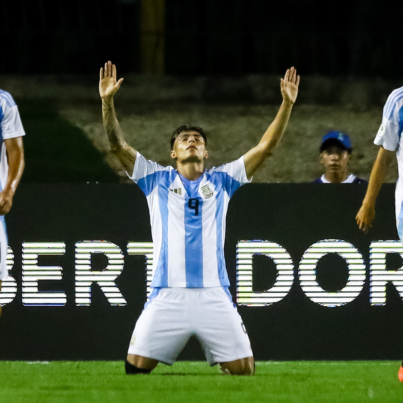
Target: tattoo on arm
<point>119,147</point>
<point>111,125</point>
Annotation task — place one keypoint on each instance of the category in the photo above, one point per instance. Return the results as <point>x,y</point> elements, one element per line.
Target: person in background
<point>335,155</point>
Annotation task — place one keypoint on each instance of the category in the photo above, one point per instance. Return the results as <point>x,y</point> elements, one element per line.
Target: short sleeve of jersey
<point>11,125</point>
<point>236,175</point>
<point>146,173</point>
<point>236,170</point>
<point>389,133</point>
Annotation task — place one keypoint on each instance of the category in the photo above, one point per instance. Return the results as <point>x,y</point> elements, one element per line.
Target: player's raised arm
<point>108,86</point>
<point>366,214</point>
<point>256,156</point>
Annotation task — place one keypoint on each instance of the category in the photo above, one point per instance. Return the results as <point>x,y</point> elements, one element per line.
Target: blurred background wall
<point>212,63</point>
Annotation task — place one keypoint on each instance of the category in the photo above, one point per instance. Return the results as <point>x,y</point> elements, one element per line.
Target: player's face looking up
<point>189,147</point>
<point>335,159</point>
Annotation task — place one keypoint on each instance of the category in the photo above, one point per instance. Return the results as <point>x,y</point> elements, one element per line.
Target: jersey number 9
<point>194,205</point>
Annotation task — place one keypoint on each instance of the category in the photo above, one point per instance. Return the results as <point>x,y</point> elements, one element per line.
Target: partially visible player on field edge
<point>389,138</point>
<point>188,207</point>
<point>11,167</point>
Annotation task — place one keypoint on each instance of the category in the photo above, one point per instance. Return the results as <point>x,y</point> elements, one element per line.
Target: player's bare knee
<point>243,366</point>
<point>247,368</point>
<point>141,362</point>
<point>131,369</point>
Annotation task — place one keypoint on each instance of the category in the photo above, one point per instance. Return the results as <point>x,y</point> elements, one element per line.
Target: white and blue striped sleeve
<point>146,173</point>
<point>10,121</point>
<point>391,129</point>
<point>235,175</point>
<point>236,170</point>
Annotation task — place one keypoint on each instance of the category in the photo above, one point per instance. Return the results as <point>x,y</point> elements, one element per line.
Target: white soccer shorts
<point>3,250</point>
<point>175,314</point>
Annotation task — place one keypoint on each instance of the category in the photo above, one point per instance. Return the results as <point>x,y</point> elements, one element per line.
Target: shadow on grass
<point>57,151</point>
<point>186,374</point>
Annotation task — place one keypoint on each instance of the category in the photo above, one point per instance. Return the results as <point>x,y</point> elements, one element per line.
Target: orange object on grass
<point>400,373</point>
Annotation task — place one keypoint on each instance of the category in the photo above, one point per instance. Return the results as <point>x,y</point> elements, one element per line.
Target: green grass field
<point>105,381</point>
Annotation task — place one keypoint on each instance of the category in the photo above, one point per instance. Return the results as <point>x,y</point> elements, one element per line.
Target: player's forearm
<point>111,125</point>
<point>275,131</point>
<point>16,162</point>
<point>378,176</point>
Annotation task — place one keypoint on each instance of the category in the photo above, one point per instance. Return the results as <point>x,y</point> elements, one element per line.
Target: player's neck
<point>191,170</point>
<point>336,177</point>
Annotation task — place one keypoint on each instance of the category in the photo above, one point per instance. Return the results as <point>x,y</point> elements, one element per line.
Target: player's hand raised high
<point>289,85</point>
<point>108,86</point>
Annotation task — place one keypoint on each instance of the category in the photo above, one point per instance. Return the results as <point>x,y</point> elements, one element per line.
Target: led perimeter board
<point>307,282</point>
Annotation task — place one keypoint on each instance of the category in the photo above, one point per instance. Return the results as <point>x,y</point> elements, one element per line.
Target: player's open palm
<point>289,85</point>
<point>108,84</point>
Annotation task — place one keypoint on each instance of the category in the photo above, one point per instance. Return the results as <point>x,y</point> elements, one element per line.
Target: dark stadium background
<point>194,54</point>
<point>226,37</point>
<point>214,61</point>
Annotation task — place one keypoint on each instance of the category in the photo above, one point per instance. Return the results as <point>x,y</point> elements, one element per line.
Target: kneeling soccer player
<point>11,167</point>
<point>390,140</point>
<point>188,207</point>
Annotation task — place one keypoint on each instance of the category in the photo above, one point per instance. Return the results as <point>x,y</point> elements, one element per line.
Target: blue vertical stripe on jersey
<point>222,271</point>
<point>192,187</point>
<point>161,271</point>
<point>149,182</point>
<point>400,121</point>
<point>230,184</point>
<point>1,121</point>
<point>193,244</point>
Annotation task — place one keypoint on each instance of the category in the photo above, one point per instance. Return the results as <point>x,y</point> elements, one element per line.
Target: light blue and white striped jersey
<point>390,137</point>
<point>188,221</point>
<point>10,127</point>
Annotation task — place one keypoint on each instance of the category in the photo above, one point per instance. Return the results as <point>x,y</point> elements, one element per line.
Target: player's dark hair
<point>187,128</point>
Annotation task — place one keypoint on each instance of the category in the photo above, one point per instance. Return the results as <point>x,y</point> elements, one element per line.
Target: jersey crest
<point>206,191</point>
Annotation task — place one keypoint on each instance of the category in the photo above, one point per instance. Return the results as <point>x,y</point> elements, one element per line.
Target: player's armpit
<point>127,156</point>
<point>254,158</point>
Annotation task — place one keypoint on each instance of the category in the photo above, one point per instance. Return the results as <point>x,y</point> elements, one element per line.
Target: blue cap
<point>342,138</point>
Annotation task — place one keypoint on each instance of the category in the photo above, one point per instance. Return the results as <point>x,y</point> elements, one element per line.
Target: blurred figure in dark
<point>335,154</point>
<point>11,167</point>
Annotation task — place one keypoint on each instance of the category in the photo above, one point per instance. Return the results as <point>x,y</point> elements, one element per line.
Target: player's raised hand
<point>108,84</point>
<point>289,85</point>
<point>365,216</point>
